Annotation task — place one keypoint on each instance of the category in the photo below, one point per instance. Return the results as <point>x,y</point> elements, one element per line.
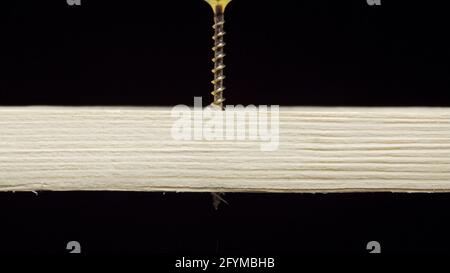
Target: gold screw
<point>218,7</point>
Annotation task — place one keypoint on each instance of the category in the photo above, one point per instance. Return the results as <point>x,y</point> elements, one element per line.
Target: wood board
<point>321,149</point>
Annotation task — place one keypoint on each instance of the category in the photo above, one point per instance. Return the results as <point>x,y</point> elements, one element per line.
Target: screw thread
<point>218,60</point>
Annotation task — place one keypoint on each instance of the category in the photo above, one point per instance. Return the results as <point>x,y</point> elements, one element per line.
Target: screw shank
<point>218,60</point>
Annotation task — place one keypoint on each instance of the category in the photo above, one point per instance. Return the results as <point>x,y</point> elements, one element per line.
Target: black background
<point>312,52</point>
<point>316,52</point>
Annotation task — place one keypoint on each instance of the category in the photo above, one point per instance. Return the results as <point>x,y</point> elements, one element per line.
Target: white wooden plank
<point>131,149</point>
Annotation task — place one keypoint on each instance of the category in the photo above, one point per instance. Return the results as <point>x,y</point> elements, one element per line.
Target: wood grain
<point>131,149</point>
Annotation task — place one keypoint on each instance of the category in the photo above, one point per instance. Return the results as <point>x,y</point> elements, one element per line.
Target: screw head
<point>218,4</point>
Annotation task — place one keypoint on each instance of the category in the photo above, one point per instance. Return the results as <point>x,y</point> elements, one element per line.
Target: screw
<point>218,7</point>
